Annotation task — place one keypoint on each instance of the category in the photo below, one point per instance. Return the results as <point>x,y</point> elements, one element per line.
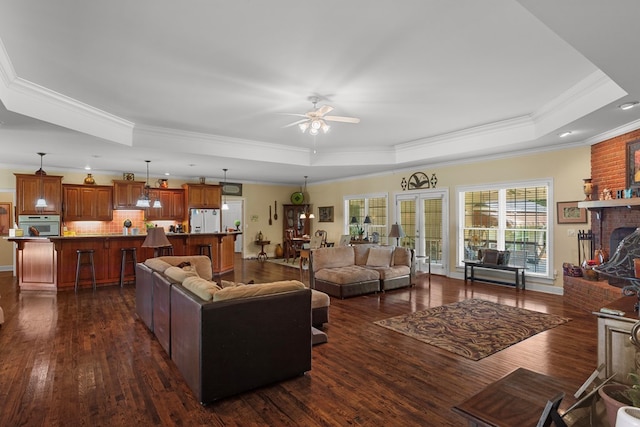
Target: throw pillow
<point>178,274</point>
<point>201,287</point>
<point>379,257</point>
<point>156,264</point>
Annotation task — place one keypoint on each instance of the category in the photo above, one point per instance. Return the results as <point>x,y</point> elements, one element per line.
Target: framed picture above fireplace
<point>570,213</point>
<point>633,164</point>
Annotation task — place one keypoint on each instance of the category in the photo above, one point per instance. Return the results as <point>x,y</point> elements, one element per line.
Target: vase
<point>588,188</point>
<point>609,393</point>
<point>279,251</point>
<point>89,179</point>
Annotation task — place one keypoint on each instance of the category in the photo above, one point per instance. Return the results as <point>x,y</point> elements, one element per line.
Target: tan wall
<point>566,167</point>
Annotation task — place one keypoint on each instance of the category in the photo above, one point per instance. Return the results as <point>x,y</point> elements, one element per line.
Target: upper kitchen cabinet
<point>126,194</point>
<point>202,196</point>
<point>87,203</point>
<point>29,188</point>
<point>172,201</point>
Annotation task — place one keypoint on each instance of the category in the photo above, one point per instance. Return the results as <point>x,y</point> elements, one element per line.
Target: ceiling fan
<point>316,120</point>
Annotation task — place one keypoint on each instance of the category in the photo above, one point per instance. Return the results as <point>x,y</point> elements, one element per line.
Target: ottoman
<point>319,308</point>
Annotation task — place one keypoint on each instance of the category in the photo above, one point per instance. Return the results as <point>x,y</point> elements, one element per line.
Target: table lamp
<point>156,239</point>
<point>397,232</point>
<point>367,221</point>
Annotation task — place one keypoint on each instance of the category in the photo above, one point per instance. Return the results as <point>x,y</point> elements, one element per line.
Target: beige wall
<point>567,168</point>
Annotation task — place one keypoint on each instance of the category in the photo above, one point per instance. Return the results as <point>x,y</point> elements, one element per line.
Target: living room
<point>423,383</point>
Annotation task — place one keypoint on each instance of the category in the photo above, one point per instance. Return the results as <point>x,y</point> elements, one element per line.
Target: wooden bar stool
<point>206,249</point>
<point>88,253</point>
<point>123,262</point>
<point>163,251</point>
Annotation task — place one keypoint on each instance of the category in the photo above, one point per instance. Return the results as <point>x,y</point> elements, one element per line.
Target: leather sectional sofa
<point>346,271</point>
<point>227,346</point>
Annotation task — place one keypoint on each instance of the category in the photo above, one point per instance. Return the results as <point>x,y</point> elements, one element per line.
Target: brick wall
<point>589,295</point>
<point>608,170</point>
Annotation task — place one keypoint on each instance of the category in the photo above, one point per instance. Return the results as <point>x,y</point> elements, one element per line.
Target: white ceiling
<point>201,85</point>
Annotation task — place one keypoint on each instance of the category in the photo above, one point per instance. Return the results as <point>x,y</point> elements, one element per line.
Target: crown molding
<point>24,97</point>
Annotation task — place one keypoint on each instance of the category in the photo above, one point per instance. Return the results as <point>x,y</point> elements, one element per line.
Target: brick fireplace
<point>608,170</point>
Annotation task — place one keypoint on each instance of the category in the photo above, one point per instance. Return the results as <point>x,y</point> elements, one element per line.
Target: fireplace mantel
<point>613,203</point>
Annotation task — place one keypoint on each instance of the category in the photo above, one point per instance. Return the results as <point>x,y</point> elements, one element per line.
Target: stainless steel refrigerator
<point>205,220</point>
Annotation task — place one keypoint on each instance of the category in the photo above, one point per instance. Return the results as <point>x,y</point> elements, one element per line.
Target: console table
<point>470,266</point>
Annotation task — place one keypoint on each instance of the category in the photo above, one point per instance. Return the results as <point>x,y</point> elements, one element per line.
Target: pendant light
<point>225,206</point>
<point>41,202</point>
<point>144,201</point>
<point>305,214</point>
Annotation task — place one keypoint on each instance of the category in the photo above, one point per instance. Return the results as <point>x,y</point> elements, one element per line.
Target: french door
<point>424,217</point>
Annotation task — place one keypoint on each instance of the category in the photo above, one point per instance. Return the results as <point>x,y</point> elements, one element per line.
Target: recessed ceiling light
<point>87,168</point>
<point>564,134</point>
<point>628,105</point>
<point>167,174</point>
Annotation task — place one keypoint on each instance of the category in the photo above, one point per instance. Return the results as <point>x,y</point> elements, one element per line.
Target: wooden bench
<point>470,266</point>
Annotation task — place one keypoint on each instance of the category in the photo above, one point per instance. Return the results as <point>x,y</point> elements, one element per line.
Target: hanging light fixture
<point>305,214</point>
<point>225,206</point>
<point>41,202</point>
<point>144,201</point>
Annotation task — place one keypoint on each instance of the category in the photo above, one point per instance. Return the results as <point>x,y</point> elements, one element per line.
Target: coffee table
<point>517,399</point>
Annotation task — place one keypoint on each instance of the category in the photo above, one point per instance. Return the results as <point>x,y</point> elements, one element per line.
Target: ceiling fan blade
<point>293,114</point>
<point>296,123</point>
<point>342,119</point>
<point>323,110</point>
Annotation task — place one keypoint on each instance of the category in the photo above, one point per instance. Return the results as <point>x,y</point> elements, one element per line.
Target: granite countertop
<point>119,235</point>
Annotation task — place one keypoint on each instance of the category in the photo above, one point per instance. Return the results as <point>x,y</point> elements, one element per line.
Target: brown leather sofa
<point>227,347</point>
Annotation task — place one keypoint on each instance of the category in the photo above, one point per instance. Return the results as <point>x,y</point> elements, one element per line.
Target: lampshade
<point>367,220</point>
<point>156,238</point>
<point>354,220</point>
<point>397,232</point>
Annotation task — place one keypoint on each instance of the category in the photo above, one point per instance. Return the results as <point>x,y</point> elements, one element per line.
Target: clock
<point>297,198</point>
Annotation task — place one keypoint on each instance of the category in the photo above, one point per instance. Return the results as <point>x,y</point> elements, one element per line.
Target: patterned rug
<point>473,328</point>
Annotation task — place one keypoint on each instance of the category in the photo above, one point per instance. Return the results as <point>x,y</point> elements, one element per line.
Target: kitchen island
<point>49,263</point>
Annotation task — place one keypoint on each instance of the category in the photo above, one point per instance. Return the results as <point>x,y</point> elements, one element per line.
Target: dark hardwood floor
<point>85,359</point>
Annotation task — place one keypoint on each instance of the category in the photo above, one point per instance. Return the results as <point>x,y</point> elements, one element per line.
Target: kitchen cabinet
<point>172,201</point>
<point>202,196</point>
<point>29,188</point>
<point>126,194</point>
<point>87,203</point>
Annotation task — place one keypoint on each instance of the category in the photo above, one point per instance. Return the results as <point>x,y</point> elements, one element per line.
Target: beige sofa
<point>346,271</point>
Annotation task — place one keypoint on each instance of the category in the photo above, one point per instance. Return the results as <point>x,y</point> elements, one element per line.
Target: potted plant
<point>616,396</point>
<point>237,224</point>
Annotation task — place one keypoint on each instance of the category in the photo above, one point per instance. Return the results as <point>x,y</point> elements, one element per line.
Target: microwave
<point>46,225</point>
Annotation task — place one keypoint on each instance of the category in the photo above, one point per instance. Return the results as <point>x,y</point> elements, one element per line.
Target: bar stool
<point>124,261</point>
<point>205,249</point>
<point>163,251</point>
<point>86,263</point>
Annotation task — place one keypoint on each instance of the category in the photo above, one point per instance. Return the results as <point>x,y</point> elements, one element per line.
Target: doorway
<point>424,217</point>
<point>230,216</point>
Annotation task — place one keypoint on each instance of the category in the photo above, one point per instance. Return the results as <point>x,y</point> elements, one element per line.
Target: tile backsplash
<point>116,225</point>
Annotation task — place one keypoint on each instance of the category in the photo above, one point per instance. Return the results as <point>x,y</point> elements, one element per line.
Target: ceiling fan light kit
<point>316,120</point>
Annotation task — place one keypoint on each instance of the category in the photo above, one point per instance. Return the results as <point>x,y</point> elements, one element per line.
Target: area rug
<point>280,261</point>
<point>473,328</point>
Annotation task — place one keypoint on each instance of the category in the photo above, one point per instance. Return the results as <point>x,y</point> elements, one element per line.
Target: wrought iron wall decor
<point>419,180</point>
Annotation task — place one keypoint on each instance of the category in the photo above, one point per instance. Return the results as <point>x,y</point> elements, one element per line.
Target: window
<point>512,217</point>
<point>360,207</point>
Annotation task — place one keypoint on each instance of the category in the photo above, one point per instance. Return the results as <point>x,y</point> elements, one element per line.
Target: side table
<point>262,256</point>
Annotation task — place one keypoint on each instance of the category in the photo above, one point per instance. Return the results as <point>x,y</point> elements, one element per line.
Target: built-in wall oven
<point>40,225</point>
